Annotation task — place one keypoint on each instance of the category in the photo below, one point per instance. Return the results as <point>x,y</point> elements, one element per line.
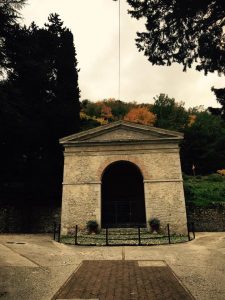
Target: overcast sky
<point>94,24</point>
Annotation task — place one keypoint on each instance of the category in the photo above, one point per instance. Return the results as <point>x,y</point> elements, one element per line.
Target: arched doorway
<point>123,203</point>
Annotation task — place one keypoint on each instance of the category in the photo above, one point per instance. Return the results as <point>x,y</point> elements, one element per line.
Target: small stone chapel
<point>121,175</point>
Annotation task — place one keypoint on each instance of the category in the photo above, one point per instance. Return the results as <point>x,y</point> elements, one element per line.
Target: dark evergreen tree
<point>204,144</point>
<point>39,105</point>
<point>9,15</point>
<point>170,114</point>
<point>220,97</point>
<point>64,78</point>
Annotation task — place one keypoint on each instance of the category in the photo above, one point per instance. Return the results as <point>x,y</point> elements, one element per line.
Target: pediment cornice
<point>122,132</point>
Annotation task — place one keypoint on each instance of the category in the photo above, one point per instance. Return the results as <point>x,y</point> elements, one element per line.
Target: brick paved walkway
<point>123,280</point>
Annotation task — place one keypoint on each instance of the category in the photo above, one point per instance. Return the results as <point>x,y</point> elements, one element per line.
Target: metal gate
<point>120,213</point>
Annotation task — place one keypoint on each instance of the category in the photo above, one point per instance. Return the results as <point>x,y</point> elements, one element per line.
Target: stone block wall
<point>38,219</point>
<point>159,165</point>
<point>165,201</point>
<point>80,204</point>
<point>207,219</point>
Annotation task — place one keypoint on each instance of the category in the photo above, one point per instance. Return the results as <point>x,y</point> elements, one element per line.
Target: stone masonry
<point>156,153</point>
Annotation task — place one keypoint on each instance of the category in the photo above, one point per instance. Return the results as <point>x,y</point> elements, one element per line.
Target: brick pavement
<point>124,280</point>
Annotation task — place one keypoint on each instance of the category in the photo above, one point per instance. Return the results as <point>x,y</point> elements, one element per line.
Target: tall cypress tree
<point>65,77</point>
<point>68,90</point>
<point>39,104</point>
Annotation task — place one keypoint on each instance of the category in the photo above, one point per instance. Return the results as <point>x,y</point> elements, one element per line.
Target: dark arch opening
<point>123,203</point>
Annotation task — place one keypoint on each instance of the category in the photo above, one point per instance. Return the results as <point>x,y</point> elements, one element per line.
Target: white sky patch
<point>94,24</point>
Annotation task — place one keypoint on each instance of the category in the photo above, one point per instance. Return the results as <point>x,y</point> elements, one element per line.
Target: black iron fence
<point>123,237</point>
<point>57,232</point>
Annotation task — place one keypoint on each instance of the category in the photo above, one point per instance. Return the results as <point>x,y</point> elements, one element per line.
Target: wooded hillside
<point>204,133</point>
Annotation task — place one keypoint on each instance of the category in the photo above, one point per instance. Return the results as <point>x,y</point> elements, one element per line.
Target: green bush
<point>207,191</point>
<point>92,226</point>
<point>154,224</point>
<point>185,177</point>
<point>215,178</point>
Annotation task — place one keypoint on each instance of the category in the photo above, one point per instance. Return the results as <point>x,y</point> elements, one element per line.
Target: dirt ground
<point>34,267</point>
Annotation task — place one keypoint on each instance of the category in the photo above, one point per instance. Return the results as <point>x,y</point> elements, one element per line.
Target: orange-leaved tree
<point>221,172</point>
<point>191,120</point>
<point>141,115</point>
<point>106,112</point>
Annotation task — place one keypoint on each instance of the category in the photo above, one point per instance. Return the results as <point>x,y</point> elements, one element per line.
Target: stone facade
<point>207,218</point>
<point>23,219</point>
<point>156,153</point>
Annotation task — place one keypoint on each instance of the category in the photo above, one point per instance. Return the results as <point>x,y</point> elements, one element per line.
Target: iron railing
<point>123,237</point>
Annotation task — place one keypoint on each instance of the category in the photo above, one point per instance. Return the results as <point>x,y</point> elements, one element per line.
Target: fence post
<point>76,230</point>
<point>106,236</point>
<point>139,236</point>
<point>59,233</point>
<point>168,230</point>
<point>54,229</point>
<point>193,229</point>
<point>189,238</point>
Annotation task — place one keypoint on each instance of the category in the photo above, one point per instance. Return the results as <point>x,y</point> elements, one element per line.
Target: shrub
<point>206,191</point>
<point>154,224</point>
<point>215,178</point>
<point>185,177</point>
<point>92,226</point>
<point>188,190</point>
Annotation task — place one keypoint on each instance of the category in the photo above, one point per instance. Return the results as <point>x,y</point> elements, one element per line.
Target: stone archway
<point>134,154</point>
<point>122,201</point>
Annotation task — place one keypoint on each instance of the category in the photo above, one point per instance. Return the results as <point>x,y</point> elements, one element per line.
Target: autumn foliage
<point>106,112</point>
<point>191,119</point>
<point>204,133</point>
<point>221,172</point>
<point>141,115</point>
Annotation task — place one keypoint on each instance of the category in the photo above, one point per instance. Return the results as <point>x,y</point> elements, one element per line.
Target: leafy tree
<point>221,172</point>
<point>170,114</point>
<point>101,112</point>
<point>190,32</point>
<point>204,133</point>
<point>88,122</point>
<point>106,112</point>
<point>119,108</point>
<point>141,115</point>
<point>204,144</point>
<point>220,96</point>
<point>91,108</point>
<point>9,15</point>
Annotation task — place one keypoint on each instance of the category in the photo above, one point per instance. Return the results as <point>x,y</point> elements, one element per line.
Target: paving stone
<point>124,280</point>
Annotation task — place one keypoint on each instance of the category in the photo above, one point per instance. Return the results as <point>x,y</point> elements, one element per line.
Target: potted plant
<point>154,224</point>
<point>92,226</point>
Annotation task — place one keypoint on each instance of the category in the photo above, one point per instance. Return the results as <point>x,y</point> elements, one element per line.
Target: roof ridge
<point>116,124</point>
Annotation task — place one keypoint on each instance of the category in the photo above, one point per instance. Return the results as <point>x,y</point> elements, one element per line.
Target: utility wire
<point>119,52</point>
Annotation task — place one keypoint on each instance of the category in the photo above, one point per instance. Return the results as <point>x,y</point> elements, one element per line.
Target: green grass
<point>126,237</point>
<point>204,191</point>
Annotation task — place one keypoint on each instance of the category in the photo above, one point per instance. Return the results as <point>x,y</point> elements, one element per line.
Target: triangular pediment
<point>121,131</point>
